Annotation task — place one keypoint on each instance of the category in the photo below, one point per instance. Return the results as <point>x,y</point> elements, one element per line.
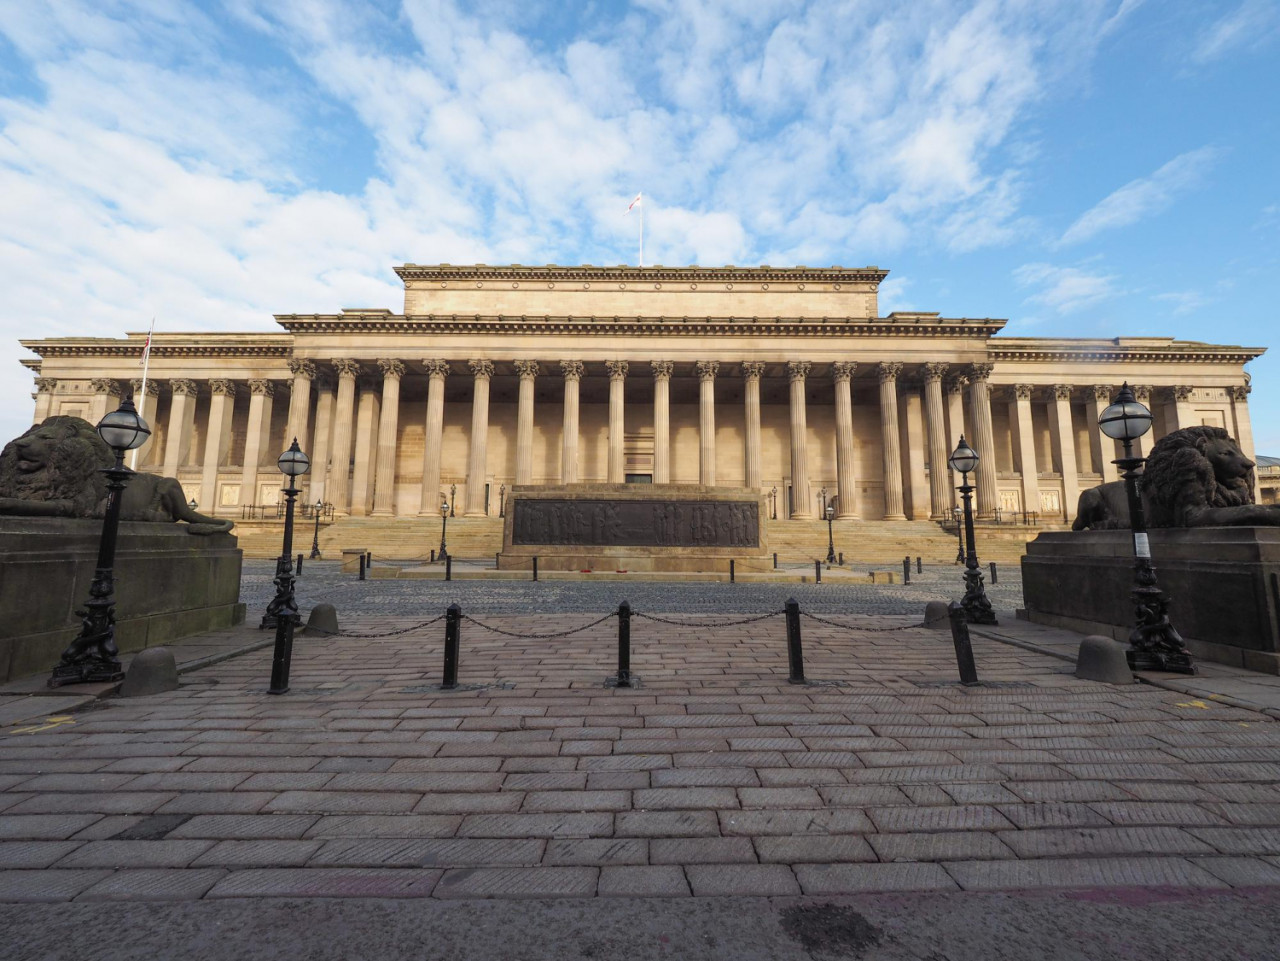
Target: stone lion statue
<point>1194,477</point>
<point>53,470</point>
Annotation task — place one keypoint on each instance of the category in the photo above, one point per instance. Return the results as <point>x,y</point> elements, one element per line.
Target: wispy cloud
<point>1065,289</point>
<point>1143,197</point>
<point>1182,301</point>
<point>1250,25</point>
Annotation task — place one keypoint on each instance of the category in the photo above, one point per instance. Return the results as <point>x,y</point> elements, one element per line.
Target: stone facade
<point>780,380</point>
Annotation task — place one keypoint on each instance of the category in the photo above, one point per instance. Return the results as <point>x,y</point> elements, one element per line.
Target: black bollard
<point>775,560</point>
<point>964,649</point>
<point>731,571</point>
<point>368,560</point>
<point>919,565</point>
<point>452,625</point>
<point>842,558</point>
<point>906,570</point>
<point>817,572</point>
<point>795,653</point>
<point>497,560</point>
<point>448,567</point>
<point>994,579</point>
<point>361,567</point>
<point>535,567</point>
<point>624,644</point>
<point>433,555</point>
<point>299,563</point>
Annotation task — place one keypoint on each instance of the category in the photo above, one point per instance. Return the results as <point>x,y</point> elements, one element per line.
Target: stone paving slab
<point>714,778</point>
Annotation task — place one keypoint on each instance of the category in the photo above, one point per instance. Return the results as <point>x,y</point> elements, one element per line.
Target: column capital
<point>182,385</point>
<point>798,370</point>
<point>527,368</point>
<point>483,370</point>
<point>153,389</point>
<point>707,369</point>
<point>1020,391</point>
<point>957,384</point>
<point>888,371</point>
<point>105,385</point>
<point>572,369</point>
<point>46,385</point>
<point>661,369</point>
<point>436,368</point>
<point>1239,393</point>
<point>1061,391</point>
<point>264,387</point>
<point>752,369</point>
<point>935,371</point>
<point>979,372</point>
<point>391,368</point>
<point>222,386</point>
<point>302,368</point>
<point>617,369</point>
<point>843,370</point>
<point>1142,394</point>
<point>1101,392</point>
<point>1181,392</point>
<point>346,367</point>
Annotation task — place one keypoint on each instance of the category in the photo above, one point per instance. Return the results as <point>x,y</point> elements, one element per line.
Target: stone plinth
<point>634,527</point>
<point>169,584</point>
<point>1224,584</point>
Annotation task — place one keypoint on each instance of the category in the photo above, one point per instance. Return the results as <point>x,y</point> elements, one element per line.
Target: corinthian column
<point>572,370</point>
<point>888,374</point>
<point>751,397</point>
<point>939,472</point>
<point>256,439</point>
<point>707,422</point>
<point>801,506</point>
<point>222,397</point>
<point>1143,444</point>
<point>478,462</point>
<point>661,421</point>
<point>105,390</point>
<point>368,415</point>
<point>343,417</point>
<point>45,387</point>
<point>304,371</point>
<point>617,384</point>
<point>384,481</point>
<point>1063,435</point>
<point>984,436</point>
<point>182,423</point>
<point>846,479</point>
<point>1104,448</point>
<point>145,404</point>
<point>528,370</point>
<point>1024,444</point>
<point>1244,427</point>
<point>437,371</point>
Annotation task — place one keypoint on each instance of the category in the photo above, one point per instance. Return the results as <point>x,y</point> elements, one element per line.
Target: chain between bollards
<point>795,653</point>
<point>624,645</point>
<point>964,648</point>
<point>452,629</point>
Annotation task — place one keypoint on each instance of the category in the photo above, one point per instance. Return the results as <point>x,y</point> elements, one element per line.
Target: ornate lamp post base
<point>93,656</point>
<point>284,603</point>
<point>976,604</point>
<point>1155,645</point>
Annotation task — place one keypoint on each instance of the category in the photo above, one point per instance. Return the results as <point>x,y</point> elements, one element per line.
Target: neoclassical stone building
<point>783,380</point>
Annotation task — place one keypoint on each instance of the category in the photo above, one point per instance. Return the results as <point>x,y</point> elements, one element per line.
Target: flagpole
<point>142,401</point>
<point>641,196</point>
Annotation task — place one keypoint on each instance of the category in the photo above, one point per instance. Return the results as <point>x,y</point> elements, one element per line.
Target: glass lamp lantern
<point>124,429</point>
<point>964,459</point>
<point>1126,419</point>
<point>293,462</point>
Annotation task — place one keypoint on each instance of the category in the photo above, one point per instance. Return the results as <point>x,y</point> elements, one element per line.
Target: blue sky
<point>1085,168</point>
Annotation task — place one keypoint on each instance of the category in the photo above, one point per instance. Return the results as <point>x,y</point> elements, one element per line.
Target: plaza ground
<point>715,810</point>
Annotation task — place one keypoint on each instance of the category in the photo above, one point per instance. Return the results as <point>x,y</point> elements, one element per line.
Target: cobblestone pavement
<point>713,778</point>
<point>324,581</point>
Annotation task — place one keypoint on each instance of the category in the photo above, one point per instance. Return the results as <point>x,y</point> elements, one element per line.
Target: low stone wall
<point>1224,584</point>
<point>169,584</point>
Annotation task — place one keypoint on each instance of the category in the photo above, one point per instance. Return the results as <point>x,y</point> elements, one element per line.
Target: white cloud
<point>1145,196</point>
<point>1065,289</point>
<point>1250,25</point>
<point>1183,301</point>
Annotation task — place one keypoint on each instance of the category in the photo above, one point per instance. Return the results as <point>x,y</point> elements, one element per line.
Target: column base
<point>383,513</point>
<point>474,514</point>
<point>894,517</point>
<point>852,516</point>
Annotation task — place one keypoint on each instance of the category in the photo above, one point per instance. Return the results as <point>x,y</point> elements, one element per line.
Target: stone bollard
<point>1102,659</point>
<point>152,671</point>
<point>323,619</point>
<point>936,616</point>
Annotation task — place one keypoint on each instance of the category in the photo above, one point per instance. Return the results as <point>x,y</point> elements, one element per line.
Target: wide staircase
<point>881,543</point>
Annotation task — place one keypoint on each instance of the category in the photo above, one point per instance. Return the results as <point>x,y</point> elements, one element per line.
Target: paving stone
<point>1133,872</point>
<point>217,802</point>
<point>626,762</point>
<point>757,823</point>
<point>154,885</point>
<point>428,853</point>
<point>343,802</point>
<point>836,879</point>
<point>1241,872</point>
<point>600,851</point>
<point>129,802</point>
<point>25,855</point>
<point>1252,840</point>
<point>649,881</point>
<point>420,782</point>
<point>49,885</point>
<point>38,827</point>
<point>286,781</point>
<point>257,854</point>
<point>384,826</point>
<point>504,801</point>
<point>541,882</point>
<point>944,846</point>
<point>927,775</point>
<point>326,883</point>
<point>539,826</point>
<point>980,793</point>
<point>1267,815</point>
<point>863,795</point>
<point>135,854</point>
<point>1156,813</point>
<point>791,777</point>
<point>684,798</point>
<point>1063,842</point>
<point>1067,791</point>
<point>779,797</point>
<point>245,826</point>
<point>1053,815</point>
<point>547,781</point>
<point>741,880</point>
<point>705,777</point>
<point>961,817</point>
<point>701,851</point>
<point>617,780</point>
<point>551,801</point>
<point>813,848</point>
<point>668,824</point>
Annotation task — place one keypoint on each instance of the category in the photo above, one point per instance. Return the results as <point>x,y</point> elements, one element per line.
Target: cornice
<point>384,322</point>
<point>587,273</point>
<point>1120,350</point>
<point>181,346</point>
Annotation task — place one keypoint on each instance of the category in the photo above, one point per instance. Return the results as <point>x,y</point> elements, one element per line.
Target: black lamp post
<point>773,502</point>
<point>93,655</point>
<point>502,501</point>
<point>831,541</point>
<point>1154,645</point>
<point>453,497</point>
<point>956,515</point>
<point>445,508</point>
<point>315,537</point>
<point>282,612</point>
<point>976,604</point>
